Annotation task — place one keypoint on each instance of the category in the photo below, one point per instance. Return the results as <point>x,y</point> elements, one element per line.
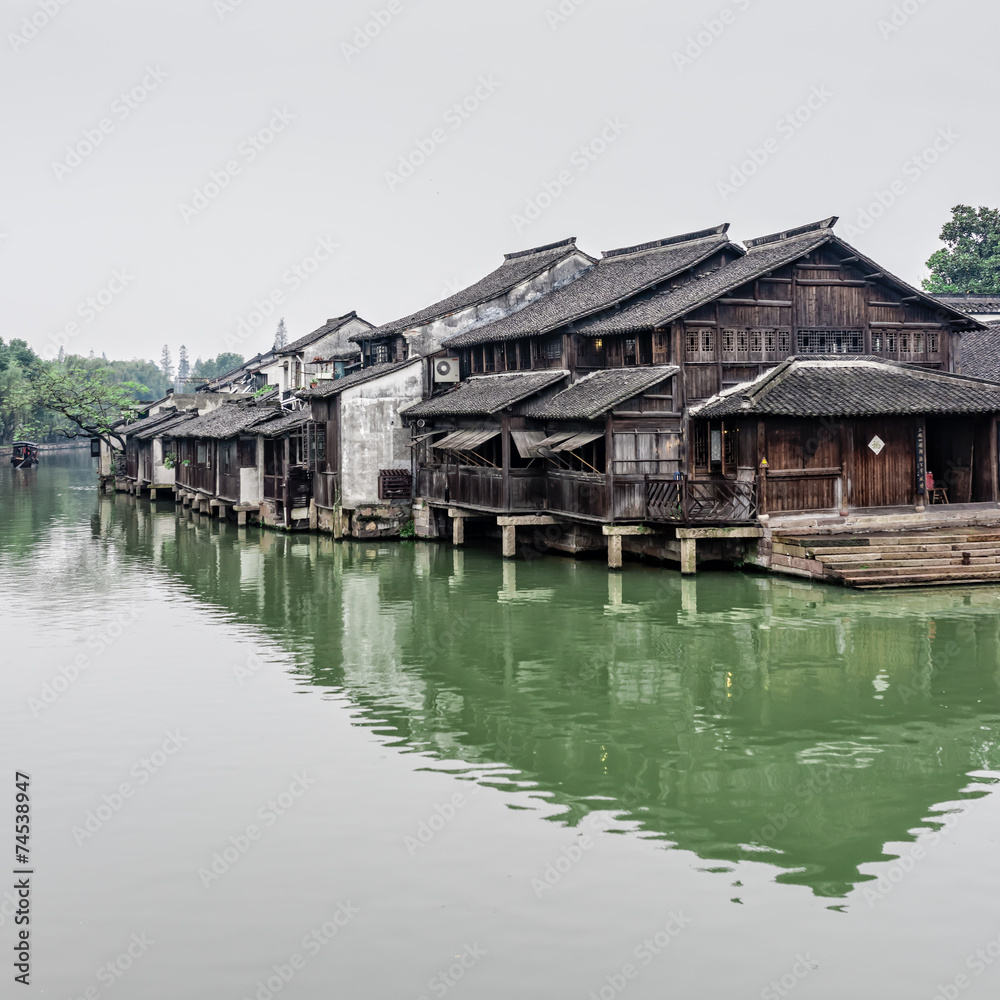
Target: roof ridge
<point>547,246</point>
<point>693,237</point>
<point>790,234</point>
<point>520,371</point>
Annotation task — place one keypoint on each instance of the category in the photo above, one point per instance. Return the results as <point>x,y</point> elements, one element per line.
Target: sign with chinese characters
<point>876,444</point>
<point>921,461</point>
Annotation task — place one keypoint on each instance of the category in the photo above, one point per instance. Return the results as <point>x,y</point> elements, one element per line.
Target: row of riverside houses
<point>686,399</point>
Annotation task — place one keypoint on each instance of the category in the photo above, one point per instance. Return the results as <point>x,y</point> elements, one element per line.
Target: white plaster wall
<point>372,433</point>
<point>428,339</point>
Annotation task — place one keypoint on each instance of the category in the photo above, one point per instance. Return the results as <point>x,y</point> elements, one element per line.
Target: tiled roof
<point>331,326</point>
<point>663,307</point>
<point>132,429</point>
<point>835,387</point>
<point>484,395</point>
<point>764,255</point>
<point>167,426</point>
<point>979,353</point>
<point>516,268</point>
<point>348,353</point>
<point>225,421</point>
<point>599,392</point>
<point>619,275</point>
<point>969,304</point>
<point>288,422</point>
<point>332,387</point>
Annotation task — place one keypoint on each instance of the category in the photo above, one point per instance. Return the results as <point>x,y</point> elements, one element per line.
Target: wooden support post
<point>689,556</point>
<point>509,541</point>
<point>614,551</point>
<point>338,523</point>
<point>458,531</point>
<point>241,518</point>
<point>152,493</point>
<point>313,516</point>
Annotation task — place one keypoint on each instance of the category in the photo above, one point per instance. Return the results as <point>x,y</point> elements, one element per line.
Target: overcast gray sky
<point>302,125</point>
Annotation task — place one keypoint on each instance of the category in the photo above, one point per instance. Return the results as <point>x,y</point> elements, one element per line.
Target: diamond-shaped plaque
<point>876,444</point>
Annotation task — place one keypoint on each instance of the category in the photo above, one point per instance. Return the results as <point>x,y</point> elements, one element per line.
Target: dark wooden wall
<point>797,310</point>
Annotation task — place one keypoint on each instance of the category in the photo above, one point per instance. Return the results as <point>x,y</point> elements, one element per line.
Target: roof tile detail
<point>859,387</point>
<point>485,395</point>
<point>600,391</point>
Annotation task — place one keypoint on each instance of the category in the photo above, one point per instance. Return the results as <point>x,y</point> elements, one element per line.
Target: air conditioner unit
<point>446,370</point>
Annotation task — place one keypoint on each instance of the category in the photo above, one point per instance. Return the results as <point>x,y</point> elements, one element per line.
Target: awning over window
<point>568,441</point>
<point>466,440</point>
<point>527,442</point>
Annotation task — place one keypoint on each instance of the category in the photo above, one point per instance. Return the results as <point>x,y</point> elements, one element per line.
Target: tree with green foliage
<point>281,335</point>
<point>970,262</point>
<point>166,365</point>
<point>214,367</point>
<point>183,367</point>
<point>87,396</point>
<point>19,416</point>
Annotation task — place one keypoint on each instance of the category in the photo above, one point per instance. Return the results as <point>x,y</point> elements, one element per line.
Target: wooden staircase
<point>880,560</point>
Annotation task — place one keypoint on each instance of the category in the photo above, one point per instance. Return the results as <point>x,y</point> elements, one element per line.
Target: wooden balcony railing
<point>639,499</point>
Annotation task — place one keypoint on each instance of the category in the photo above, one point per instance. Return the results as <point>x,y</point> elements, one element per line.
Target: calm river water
<point>265,766</point>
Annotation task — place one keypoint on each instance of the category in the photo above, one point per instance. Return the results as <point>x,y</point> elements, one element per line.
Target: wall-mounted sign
<point>921,461</point>
<point>876,444</point>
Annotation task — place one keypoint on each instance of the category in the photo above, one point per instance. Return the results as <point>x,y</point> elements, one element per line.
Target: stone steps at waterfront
<point>918,559</point>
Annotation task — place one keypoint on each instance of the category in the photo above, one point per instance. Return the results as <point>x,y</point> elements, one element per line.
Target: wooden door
<point>886,479</point>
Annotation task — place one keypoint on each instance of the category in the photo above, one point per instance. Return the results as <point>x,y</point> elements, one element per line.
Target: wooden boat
<point>25,454</point>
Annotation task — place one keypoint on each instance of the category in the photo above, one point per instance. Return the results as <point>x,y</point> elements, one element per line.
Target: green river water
<point>269,766</point>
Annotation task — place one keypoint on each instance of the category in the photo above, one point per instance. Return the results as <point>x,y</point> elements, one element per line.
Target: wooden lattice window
<point>701,446</point>
<point>784,342</point>
<point>728,341</point>
<point>770,341</point>
<point>742,342</point>
<point>756,341</point>
<point>933,343</point>
<point>831,342</point>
